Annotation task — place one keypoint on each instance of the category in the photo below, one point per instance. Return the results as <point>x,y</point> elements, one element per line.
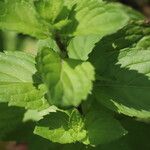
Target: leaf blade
<point>65,78</point>
<point>21,16</point>
<point>16,83</point>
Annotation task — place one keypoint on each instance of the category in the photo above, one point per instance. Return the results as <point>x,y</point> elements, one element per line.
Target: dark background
<point>141,5</point>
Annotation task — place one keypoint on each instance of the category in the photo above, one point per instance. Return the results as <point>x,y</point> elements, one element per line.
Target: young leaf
<point>80,46</point>
<point>62,127</point>
<point>50,43</point>
<point>144,43</point>
<point>49,9</point>
<point>68,81</point>
<point>20,15</point>
<point>16,84</point>
<point>92,25</point>
<point>90,18</point>
<point>34,114</point>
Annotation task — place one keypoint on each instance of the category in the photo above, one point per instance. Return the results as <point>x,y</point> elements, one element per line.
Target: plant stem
<point>60,43</point>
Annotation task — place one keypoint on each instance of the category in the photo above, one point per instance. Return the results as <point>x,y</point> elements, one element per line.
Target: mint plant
<point>87,87</point>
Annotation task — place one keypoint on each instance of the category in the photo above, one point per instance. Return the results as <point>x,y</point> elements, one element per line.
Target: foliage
<point>88,85</point>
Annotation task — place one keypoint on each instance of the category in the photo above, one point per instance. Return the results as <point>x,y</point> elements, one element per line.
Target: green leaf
<point>9,40</point>
<point>124,81</point>
<point>36,115</point>
<point>16,83</point>
<point>139,132</point>
<point>20,15</point>
<point>90,18</point>
<point>70,4</point>
<point>101,125</point>
<point>144,43</point>
<point>92,25</point>
<point>62,127</point>
<point>80,46</point>
<point>48,43</point>
<point>65,78</point>
<point>98,127</point>
<point>129,36</point>
<point>10,119</point>
<point>49,9</point>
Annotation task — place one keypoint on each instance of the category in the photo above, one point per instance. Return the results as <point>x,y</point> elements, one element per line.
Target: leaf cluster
<point>87,87</point>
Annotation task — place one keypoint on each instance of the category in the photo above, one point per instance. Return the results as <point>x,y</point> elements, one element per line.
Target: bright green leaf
<point>49,9</point>
<point>36,115</point>
<point>90,18</point>
<point>68,81</point>
<point>16,83</point>
<point>144,43</point>
<point>49,43</point>
<point>20,15</point>
<point>91,25</point>
<point>62,127</point>
<point>80,46</point>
